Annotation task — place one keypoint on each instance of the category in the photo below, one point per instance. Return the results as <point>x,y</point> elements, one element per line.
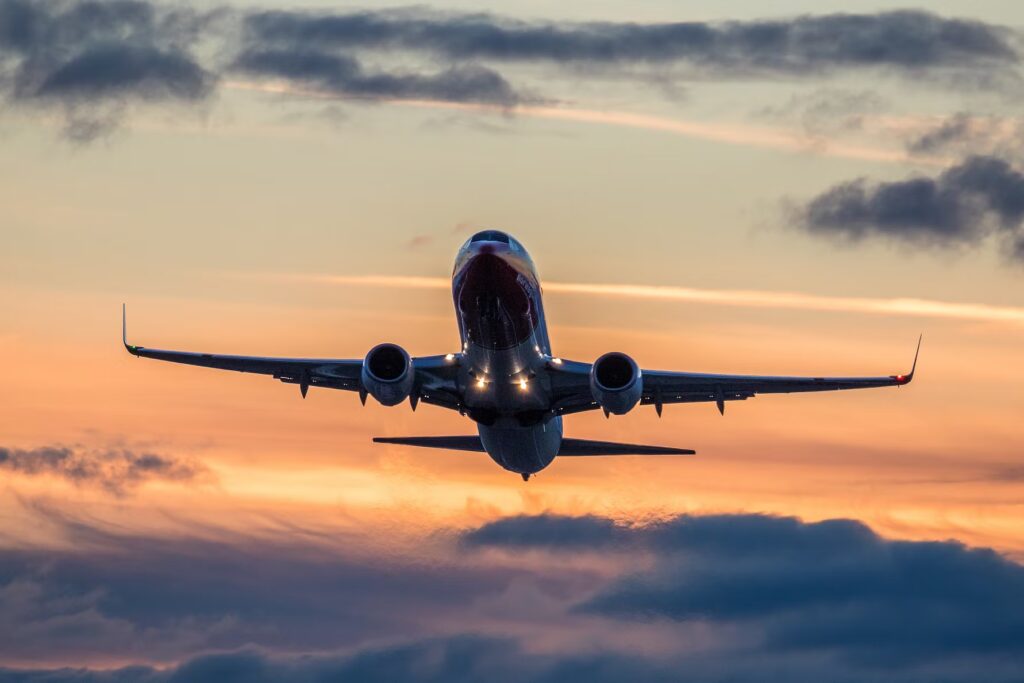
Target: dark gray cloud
<point>107,595</point>
<point>827,587</point>
<point>116,470</point>
<point>547,531</point>
<point>808,601</point>
<point>471,658</point>
<point>904,40</point>
<point>93,59</point>
<point>454,659</point>
<point>344,75</point>
<point>316,48</point>
<point>961,206</point>
<point>88,49</point>
<point>113,70</point>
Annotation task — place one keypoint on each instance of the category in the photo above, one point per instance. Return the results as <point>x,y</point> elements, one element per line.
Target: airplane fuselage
<point>505,352</point>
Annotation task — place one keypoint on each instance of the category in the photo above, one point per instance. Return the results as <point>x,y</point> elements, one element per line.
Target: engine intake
<point>615,382</point>
<point>387,374</point>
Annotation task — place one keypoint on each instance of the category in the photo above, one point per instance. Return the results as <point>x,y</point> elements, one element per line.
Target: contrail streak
<point>733,134</point>
<point>925,308</point>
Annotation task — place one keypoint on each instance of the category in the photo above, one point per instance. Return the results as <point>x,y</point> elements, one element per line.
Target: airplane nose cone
<point>494,302</point>
<point>495,248</point>
<point>488,278</point>
<point>496,236</point>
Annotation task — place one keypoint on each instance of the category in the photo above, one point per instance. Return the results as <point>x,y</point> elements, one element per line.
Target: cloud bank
<point>831,586</point>
<point>533,598</point>
<point>902,40</point>
<point>967,202</point>
<point>90,59</point>
<point>94,59</point>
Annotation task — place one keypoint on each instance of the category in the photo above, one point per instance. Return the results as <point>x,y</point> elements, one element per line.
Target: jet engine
<point>615,382</point>
<point>387,374</point>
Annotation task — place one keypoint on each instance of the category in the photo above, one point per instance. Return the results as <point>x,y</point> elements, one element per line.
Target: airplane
<point>505,377</point>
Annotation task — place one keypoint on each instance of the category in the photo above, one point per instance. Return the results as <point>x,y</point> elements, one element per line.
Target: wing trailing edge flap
<point>570,447</point>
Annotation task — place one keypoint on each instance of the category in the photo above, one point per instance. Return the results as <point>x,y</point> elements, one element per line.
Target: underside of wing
<point>573,393</point>
<point>688,387</point>
<point>434,380</point>
<point>323,372</point>
<point>585,447</point>
<point>452,443</point>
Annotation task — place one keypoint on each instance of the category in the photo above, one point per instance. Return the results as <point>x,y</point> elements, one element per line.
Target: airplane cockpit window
<point>490,236</point>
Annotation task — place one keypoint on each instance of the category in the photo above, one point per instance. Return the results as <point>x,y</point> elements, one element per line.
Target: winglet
<point>909,377</point>
<point>124,332</point>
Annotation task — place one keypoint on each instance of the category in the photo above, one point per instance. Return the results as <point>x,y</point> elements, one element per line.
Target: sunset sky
<point>787,188</point>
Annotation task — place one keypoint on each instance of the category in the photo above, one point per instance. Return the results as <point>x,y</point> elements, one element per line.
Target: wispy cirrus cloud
<point>963,134</point>
<point>728,133</point>
<point>905,306</point>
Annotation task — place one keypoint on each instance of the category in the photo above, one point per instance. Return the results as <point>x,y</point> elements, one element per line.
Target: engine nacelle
<point>387,374</point>
<point>615,382</point>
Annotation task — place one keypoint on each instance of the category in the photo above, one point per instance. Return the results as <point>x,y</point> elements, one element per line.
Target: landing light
<point>556,361</point>
<point>522,384</point>
<point>449,357</point>
<point>480,383</point>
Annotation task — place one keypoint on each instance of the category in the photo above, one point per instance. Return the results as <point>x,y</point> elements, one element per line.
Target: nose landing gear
<point>526,476</point>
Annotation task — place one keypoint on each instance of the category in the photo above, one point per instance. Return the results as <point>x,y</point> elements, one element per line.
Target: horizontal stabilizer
<point>583,447</point>
<point>570,447</point>
<point>454,443</point>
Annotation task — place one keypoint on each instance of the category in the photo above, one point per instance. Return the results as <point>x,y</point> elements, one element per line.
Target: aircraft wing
<point>434,382</point>
<point>661,387</point>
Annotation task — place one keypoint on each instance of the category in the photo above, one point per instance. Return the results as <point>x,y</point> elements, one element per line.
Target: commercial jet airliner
<point>505,377</point>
